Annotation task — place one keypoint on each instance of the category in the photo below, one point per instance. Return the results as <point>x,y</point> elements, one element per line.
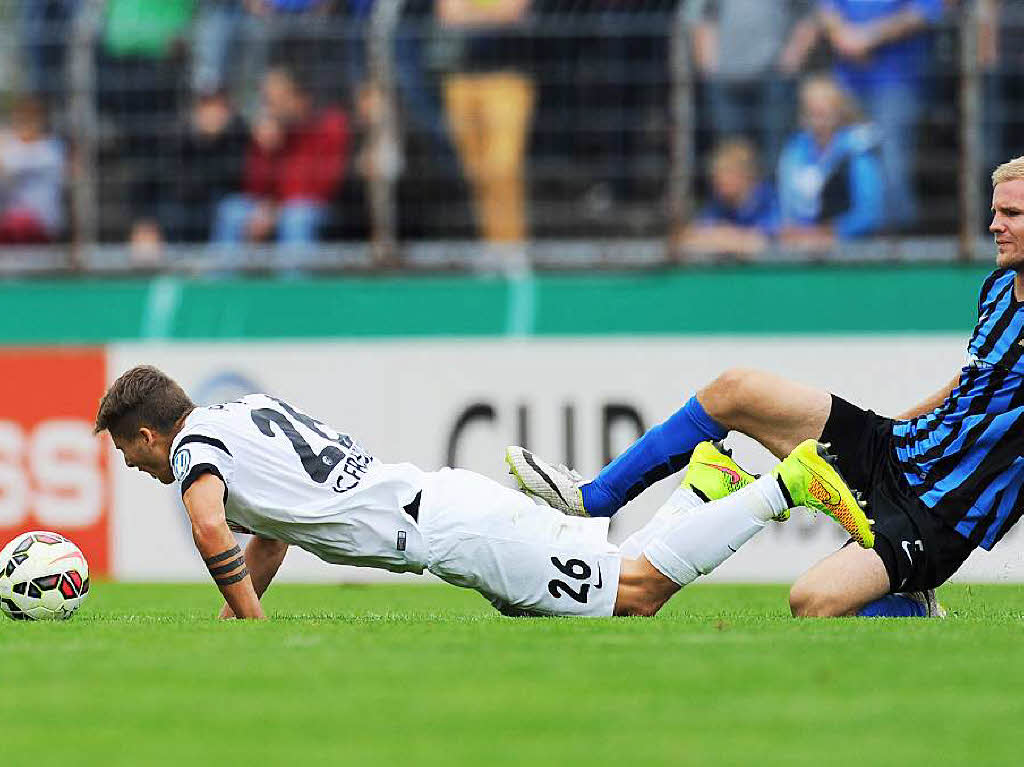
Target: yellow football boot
<point>712,474</point>
<point>809,478</point>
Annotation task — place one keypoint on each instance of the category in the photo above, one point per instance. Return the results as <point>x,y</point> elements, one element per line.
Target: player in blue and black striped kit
<point>942,479</point>
<point>965,460</point>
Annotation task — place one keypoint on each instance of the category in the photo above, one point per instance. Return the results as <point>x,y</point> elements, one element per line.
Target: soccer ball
<point>43,576</point>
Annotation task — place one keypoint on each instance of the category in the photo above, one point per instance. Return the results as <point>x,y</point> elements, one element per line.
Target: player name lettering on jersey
<point>353,469</point>
<point>290,477</point>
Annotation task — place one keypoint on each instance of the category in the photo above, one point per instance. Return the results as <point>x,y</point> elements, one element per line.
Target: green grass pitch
<point>429,675</point>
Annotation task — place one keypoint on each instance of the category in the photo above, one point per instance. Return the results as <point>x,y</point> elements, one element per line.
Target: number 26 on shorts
<point>577,570</point>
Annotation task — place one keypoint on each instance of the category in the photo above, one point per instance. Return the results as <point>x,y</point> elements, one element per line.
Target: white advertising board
<point>581,400</point>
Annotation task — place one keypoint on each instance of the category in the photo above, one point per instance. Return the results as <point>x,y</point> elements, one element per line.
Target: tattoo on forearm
<point>232,565</point>
<point>229,579</point>
<point>223,555</point>
<point>230,572</point>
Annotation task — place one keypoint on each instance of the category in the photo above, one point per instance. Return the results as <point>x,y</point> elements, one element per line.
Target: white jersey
<point>291,478</point>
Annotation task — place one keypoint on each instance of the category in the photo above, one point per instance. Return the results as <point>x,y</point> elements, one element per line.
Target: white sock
<point>696,543</point>
<point>682,500</point>
<point>771,493</point>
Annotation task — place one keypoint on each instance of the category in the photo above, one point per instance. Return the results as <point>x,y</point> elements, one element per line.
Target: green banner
<point>777,300</point>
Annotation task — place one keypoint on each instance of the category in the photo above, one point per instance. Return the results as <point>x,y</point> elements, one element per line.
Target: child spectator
<point>31,177</point>
<point>830,179</point>
<point>742,213</point>
<point>294,166</point>
<point>204,166</point>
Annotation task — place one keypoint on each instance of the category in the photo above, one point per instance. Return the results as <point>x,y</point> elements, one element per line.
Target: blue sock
<point>663,450</point>
<point>893,606</point>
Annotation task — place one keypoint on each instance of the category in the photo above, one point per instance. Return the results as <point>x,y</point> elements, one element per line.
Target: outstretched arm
<point>204,501</point>
<point>931,403</point>
<point>263,557</point>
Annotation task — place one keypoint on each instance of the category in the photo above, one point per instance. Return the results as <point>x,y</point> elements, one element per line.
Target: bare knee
<point>809,600</point>
<point>729,395</point>
<point>840,584</point>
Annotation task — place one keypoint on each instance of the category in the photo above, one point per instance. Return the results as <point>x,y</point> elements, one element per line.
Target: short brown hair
<point>142,396</point>
<point>1012,170</point>
<point>736,154</point>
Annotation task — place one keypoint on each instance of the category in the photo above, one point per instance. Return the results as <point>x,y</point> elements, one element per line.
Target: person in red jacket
<point>294,165</point>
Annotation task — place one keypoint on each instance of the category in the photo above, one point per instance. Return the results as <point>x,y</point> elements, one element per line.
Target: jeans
<point>214,31</point>
<point>44,29</point>
<point>895,108</point>
<point>298,226</point>
<point>759,109</point>
<point>298,221</point>
<point>230,49</point>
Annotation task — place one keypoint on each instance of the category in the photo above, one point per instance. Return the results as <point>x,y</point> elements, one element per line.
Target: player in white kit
<point>260,466</point>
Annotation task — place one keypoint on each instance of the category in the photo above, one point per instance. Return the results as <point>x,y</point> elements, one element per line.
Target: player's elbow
<point>207,532</point>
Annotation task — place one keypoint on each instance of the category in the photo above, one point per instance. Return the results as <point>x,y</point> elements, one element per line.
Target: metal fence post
<point>970,140</point>
<point>83,127</point>
<point>683,120</point>
<point>384,133</point>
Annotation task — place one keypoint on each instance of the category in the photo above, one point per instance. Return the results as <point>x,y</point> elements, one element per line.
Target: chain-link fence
<point>295,134</point>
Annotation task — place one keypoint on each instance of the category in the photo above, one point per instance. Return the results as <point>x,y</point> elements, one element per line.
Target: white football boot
<point>557,485</point>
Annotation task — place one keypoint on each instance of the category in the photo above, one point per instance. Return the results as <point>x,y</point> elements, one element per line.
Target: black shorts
<point>919,550</point>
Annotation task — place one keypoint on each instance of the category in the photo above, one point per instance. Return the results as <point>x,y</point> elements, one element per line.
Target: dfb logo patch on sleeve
<point>182,463</point>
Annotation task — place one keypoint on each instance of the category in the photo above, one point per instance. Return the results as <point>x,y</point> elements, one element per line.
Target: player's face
<point>149,452</point>
<point>1008,223</point>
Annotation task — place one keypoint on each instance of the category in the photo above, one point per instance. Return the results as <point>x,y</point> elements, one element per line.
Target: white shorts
<point>524,558</point>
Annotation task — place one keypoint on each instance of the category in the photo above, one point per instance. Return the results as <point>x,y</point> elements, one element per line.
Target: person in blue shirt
<point>883,57</point>
<point>830,179</point>
<point>742,213</point>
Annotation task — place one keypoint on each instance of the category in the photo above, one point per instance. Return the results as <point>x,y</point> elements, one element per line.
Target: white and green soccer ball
<point>43,576</point>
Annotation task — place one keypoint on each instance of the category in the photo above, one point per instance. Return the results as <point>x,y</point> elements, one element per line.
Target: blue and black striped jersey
<point>965,459</point>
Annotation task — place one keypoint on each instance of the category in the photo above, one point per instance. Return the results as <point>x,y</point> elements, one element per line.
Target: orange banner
<point>53,470</point>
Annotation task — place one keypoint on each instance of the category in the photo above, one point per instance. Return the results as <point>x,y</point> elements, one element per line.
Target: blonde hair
<point>736,153</point>
<point>849,110</point>
<point>1012,170</point>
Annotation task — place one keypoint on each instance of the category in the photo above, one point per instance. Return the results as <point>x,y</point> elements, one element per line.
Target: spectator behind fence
<point>208,167</point>
<point>489,100</point>
<point>141,61</point>
<point>294,166</point>
<point>31,177</point>
<point>747,51</point>
<point>1000,59</point>
<point>44,30</point>
<point>742,214</point>
<point>830,179</point>
<point>884,59</point>
<point>232,39</point>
